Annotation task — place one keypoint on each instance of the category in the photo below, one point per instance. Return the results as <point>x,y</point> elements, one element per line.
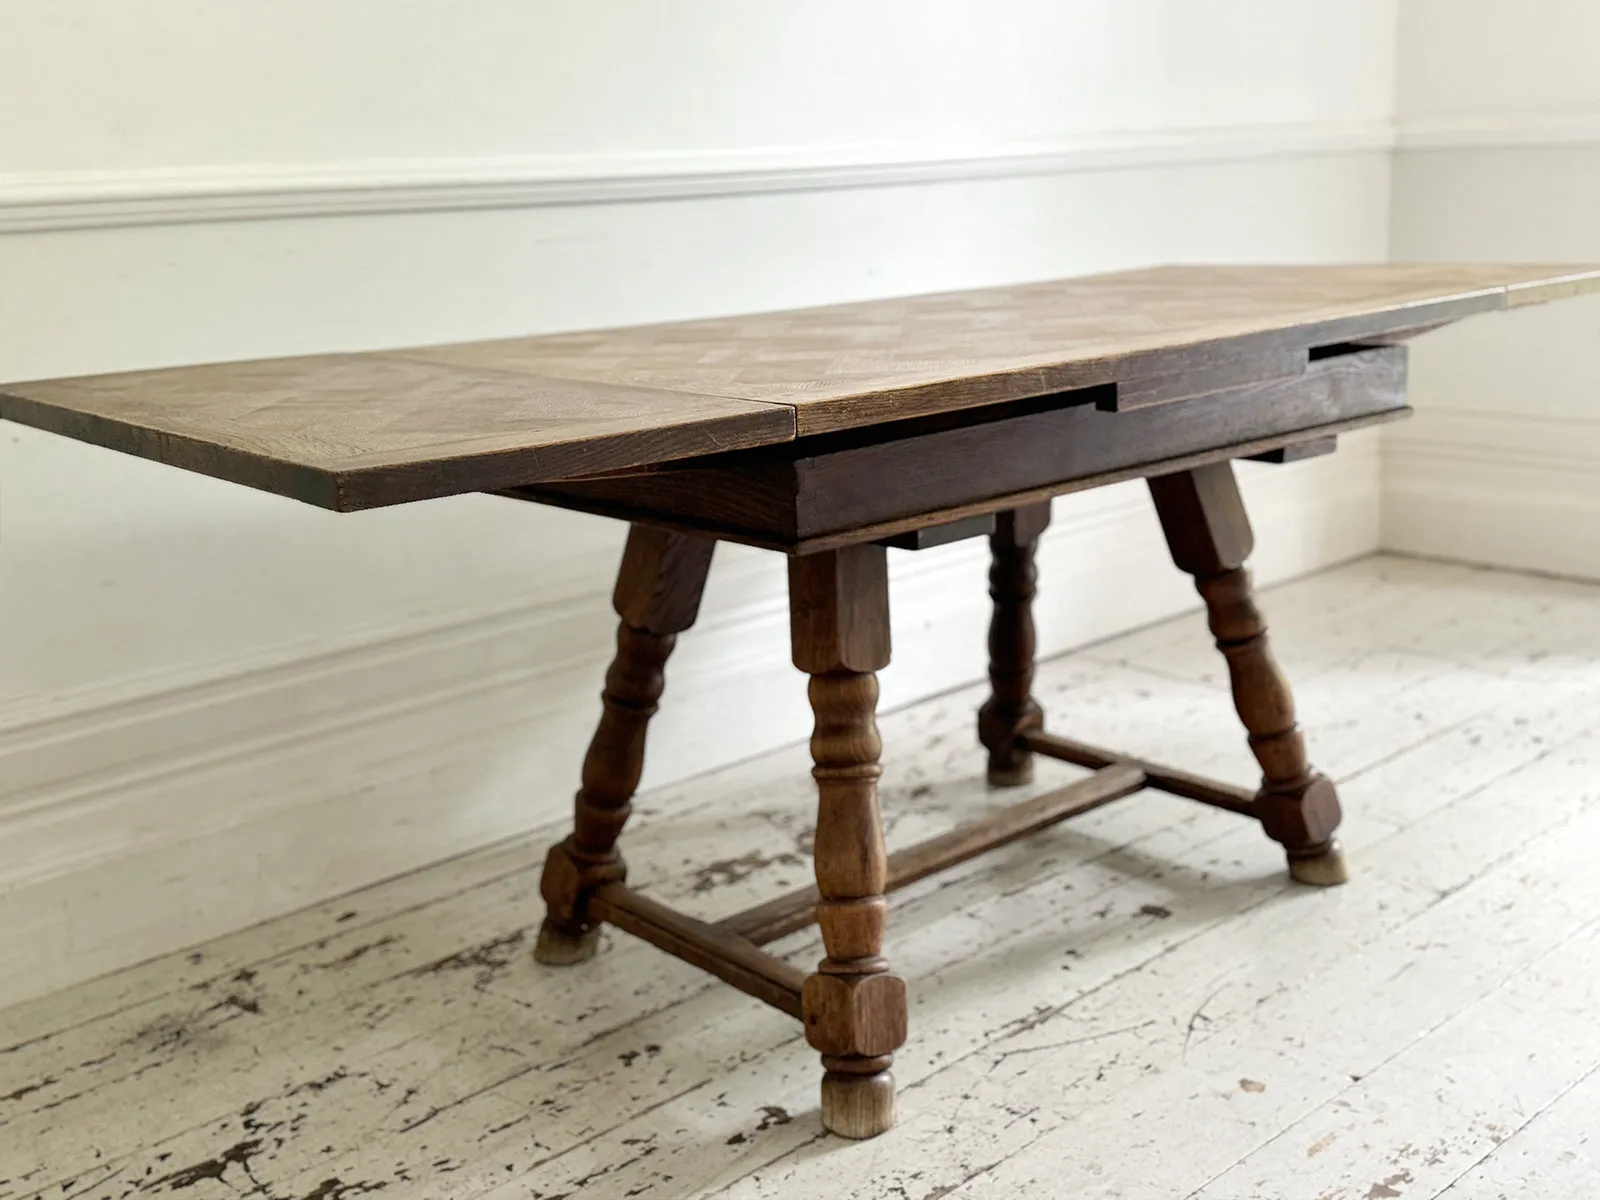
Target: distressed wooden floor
<point>1133,1005</point>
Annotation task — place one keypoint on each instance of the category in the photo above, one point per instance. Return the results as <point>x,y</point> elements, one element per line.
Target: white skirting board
<point>1502,463</point>
<point>1506,490</point>
<point>133,828</point>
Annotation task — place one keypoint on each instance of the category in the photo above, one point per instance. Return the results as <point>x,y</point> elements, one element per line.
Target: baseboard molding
<point>137,826</point>
<point>61,200</point>
<point>1506,490</point>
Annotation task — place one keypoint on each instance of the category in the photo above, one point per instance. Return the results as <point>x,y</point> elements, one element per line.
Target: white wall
<point>216,705</point>
<point>1499,159</point>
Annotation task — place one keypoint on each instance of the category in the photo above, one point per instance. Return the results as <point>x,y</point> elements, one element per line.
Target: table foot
<point>559,946</point>
<point>1325,869</point>
<point>858,1106</point>
<point>1011,776</point>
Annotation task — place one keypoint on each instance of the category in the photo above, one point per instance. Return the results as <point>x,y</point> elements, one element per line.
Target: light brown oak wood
<point>848,365</point>
<point>352,431</point>
<point>843,485</point>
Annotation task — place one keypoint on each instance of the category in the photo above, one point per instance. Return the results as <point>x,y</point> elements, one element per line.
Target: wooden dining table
<point>832,435</point>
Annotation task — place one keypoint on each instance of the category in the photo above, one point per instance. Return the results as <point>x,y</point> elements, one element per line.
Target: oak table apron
<point>831,435</point>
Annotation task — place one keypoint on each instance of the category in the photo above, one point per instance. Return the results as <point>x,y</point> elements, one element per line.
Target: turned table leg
<point>658,596</point>
<point>1209,535</point>
<point>853,1008</point>
<point>1013,581</point>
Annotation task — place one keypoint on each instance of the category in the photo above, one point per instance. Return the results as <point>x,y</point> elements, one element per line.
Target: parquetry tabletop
<point>349,431</point>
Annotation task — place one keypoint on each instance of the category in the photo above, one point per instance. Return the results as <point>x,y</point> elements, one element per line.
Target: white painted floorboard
<point>1135,1005</point>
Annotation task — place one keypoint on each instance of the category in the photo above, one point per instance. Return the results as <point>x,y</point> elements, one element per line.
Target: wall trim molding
<point>65,200</point>
<point>1487,131</point>
<point>45,201</point>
